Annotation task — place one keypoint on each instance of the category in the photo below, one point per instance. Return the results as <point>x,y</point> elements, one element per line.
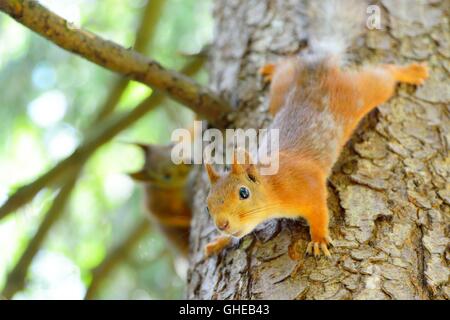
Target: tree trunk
<point>389,193</point>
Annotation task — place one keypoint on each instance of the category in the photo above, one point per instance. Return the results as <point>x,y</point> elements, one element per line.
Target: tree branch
<point>148,26</point>
<point>16,278</point>
<point>66,167</point>
<point>71,168</point>
<point>144,38</point>
<point>116,58</point>
<point>106,131</point>
<point>115,256</point>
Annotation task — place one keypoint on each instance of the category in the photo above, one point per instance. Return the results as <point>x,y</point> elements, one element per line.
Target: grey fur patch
<point>305,122</point>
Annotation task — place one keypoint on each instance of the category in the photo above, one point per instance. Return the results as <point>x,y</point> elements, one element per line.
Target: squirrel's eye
<point>244,193</point>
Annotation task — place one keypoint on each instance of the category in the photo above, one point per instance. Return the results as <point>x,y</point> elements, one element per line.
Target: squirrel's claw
<point>317,248</point>
<point>324,249</point>
<point>329,241</point>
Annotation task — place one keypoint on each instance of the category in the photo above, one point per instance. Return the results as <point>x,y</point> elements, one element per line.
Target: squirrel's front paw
<point>416,73</point>
<point>210,249</point>
<point>267,71</point>
<point>217,245</point>
<point>319,246</point>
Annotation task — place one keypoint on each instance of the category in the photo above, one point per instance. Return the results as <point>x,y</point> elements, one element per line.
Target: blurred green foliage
<point>48,98</point>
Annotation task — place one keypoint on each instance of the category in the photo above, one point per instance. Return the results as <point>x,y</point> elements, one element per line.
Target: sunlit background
<point>48,98</point>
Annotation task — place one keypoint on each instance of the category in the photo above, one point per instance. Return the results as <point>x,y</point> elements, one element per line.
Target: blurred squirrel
<point>167,194</point>
<point>316,105</point>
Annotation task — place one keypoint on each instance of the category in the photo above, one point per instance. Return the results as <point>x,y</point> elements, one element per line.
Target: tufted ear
<point>144,147</point>
<point>237,167</point>
<point>247,167</point>
<point>142,176</point>
<point>212,174</point>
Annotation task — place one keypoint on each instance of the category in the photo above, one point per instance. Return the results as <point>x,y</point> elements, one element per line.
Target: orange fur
<point>217,245</point>
<point>281,80</point>
<point>321,105</point>
<point>167,197</point>
<point>354,94</point>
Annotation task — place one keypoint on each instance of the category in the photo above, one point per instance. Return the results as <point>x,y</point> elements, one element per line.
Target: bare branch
<point>149,23</point>
<point>111,102</point>
<point>16,278</point>
<point>115,256</point>
<point>144,38</point>
<point>105,132</point>
<point>71,167</point>
<point>66,167</point>
<point>116,58</point>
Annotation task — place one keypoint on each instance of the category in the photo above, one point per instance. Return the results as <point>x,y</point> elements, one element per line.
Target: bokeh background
<point>48,100</point>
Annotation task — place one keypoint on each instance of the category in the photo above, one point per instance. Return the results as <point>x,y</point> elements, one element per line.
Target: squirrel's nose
<point>222,225</point>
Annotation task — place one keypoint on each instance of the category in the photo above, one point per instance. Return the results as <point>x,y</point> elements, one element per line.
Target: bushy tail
<point>334,24</point>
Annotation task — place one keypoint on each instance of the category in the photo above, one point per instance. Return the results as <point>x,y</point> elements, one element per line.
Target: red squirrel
<point>167,194</point>
<point>316,105</point>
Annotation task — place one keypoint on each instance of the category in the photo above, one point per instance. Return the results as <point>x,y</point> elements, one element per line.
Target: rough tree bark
<point>389,193</point>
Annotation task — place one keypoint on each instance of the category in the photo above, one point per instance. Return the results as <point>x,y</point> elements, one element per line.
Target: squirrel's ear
<point>144,147</point>
<point>252,172</point>
<point>240,168</point>
<point>140,176</point>
<point>248,167</point>
<point>236,167</point>
<point>212,174</point>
